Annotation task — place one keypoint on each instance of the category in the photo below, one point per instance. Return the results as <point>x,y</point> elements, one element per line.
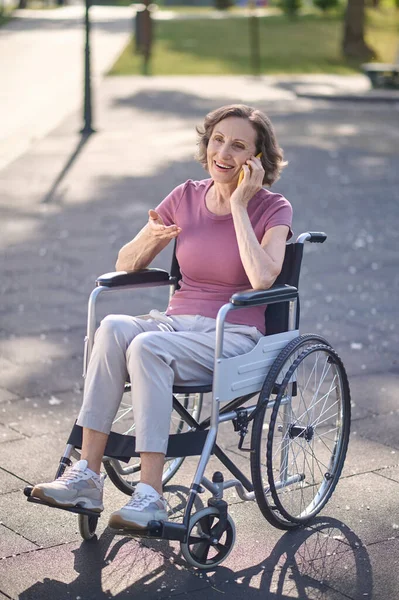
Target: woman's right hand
<point>159,229</point>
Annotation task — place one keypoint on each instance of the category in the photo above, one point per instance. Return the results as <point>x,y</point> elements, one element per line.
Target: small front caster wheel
<point>203,549</point>
<point>87,526</point>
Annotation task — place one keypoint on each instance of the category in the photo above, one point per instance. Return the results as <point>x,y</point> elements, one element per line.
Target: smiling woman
<point>229,238</point>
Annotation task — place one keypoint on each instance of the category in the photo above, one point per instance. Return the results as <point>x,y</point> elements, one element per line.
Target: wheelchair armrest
<point>144,276</point>
<point>277,293</point>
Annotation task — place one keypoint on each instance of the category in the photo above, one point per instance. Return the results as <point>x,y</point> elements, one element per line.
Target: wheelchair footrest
<point>74,509</point>
<point>163,530</point>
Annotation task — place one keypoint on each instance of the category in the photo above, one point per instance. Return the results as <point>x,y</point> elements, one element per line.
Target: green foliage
<point>326,5</point>
<point>306,44</point>
<point>223,4</point>
<point>290,7</point>
<point>5,14</point>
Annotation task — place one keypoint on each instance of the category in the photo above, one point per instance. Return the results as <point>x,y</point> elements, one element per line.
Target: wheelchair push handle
<point>314,237</point>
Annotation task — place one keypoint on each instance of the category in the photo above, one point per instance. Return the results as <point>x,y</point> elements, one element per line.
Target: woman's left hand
<point>251,183</point>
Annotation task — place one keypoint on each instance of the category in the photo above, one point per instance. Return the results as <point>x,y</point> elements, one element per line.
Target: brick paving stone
<point>33,459</point>
<point>11,543</point>
<point>367,504</point>
<point>7,396</point>
<point>41,525</point>
<point>390,472</point>
<point>380,428</point>
<point>8,434</point>
<point>10,483</point>
<point>43,415</point>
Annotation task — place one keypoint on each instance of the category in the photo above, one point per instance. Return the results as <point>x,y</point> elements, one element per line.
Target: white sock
<point>144,488</point>
<point>94,474</point>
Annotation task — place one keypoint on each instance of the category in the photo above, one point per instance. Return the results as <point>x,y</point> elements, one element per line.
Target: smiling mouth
<point>222,166</point>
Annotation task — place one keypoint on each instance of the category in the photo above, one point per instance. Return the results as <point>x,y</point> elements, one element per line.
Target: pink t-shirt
<point>208,254</point>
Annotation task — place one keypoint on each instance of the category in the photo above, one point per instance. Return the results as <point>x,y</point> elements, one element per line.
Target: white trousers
<point>156,353</point>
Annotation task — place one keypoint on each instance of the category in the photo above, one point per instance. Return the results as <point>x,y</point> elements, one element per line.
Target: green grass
<point>307,44</point>
<point>4,18</point>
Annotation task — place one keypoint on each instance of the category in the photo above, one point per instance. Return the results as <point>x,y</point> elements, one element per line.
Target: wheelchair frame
<point>246,374</point>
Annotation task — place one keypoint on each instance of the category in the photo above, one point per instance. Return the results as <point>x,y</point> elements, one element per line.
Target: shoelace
<point>71,474</point>
<point>140,501</point>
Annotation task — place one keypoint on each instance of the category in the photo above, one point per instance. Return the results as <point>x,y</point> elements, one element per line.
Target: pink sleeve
<point>167,208</point>
<point>279,213</point>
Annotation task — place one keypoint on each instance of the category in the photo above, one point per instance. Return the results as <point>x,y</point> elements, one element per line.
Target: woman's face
<point>232,142</point>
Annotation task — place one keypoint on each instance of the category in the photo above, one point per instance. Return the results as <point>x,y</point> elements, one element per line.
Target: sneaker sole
<point>118,522</point>
<point>38,493</point>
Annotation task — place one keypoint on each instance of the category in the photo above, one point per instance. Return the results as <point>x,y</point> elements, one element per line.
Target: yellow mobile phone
<point>241,176</point>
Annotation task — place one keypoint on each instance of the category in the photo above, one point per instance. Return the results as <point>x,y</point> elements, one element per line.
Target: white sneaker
<point>145,505</point>
<point>77,485</point>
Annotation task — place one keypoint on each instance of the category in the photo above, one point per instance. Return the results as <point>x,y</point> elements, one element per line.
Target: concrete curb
<point>350,97</point>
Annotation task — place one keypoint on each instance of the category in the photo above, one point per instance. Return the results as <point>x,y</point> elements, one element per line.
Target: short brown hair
<point>266,142</point>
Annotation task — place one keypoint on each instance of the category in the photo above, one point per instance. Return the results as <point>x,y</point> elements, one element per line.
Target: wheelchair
<point>292,389</point>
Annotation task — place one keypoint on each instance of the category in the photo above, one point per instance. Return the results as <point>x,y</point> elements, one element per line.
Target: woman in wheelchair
<point>231,235</point>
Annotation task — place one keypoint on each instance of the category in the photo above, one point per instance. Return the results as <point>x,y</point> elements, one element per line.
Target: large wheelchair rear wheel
<point>299,455</point>
<point>126,476</point>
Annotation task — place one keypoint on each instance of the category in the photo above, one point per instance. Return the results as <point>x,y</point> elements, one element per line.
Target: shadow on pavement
<point>51,195</point>
<point>169,101</point>
<point>307,563</point>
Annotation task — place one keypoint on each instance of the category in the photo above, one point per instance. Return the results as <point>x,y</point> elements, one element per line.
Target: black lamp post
<point>87,105</point>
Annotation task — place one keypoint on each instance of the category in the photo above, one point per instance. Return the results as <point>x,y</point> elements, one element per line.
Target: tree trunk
<point>353,44</point>
<point>22,4</point>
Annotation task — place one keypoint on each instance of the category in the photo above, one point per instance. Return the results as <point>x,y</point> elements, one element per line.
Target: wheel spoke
<point>327,395</point>
<point>193,540</point>
<point>323,376</point>
<point>202,552</point>
<point>326,467</point>
<point>314,369</point>
<point>315,404</point>
<point>206,524</point>
<point>323,442</point>
<point>324,420</point>
<point>311,453</point>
